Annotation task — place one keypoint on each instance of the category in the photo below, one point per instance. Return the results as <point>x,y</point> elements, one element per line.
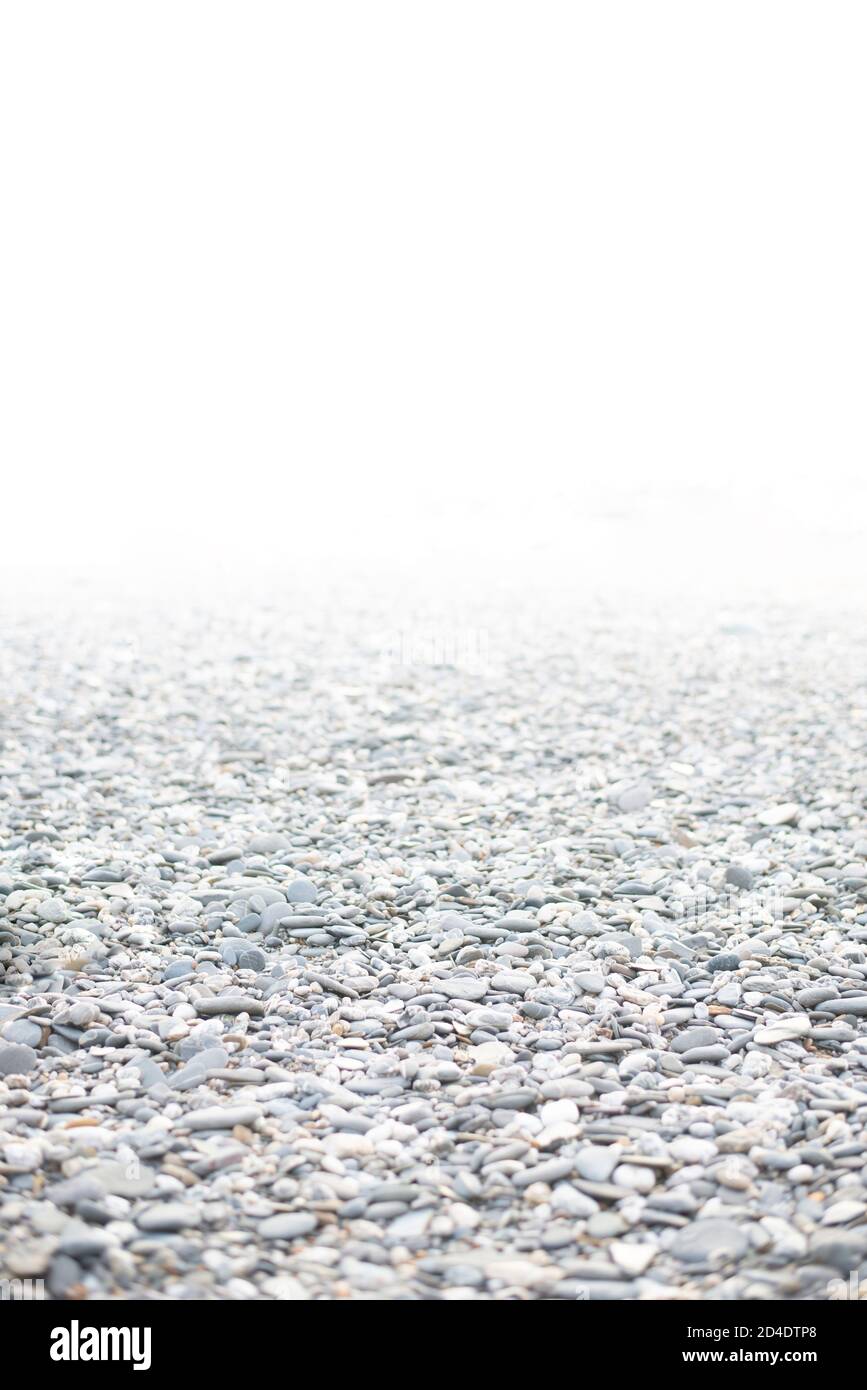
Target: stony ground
<point>519,957</point>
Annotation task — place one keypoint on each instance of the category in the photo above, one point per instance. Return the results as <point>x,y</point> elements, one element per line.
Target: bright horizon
<point>449,312</point>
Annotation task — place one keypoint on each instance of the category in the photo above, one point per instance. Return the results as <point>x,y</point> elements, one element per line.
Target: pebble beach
<point>349,953</point>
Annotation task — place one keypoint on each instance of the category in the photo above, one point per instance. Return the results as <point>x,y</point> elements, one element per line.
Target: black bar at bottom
<point>160,1337</point>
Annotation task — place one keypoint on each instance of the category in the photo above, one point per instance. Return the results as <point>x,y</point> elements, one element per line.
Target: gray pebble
<point>17,1059</point>
<point>711,1241</point>
<point>287,1226</point>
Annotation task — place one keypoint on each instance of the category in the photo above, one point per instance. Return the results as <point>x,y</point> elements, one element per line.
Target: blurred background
<point>502,294</point>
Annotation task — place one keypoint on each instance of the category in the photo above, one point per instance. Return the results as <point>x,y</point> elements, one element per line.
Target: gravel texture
<point>347,956</point>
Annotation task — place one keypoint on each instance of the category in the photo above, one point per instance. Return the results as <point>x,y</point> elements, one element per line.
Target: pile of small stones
<point>330,974</point>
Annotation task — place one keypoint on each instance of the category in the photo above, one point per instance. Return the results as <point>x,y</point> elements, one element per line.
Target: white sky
<point>300,279</point>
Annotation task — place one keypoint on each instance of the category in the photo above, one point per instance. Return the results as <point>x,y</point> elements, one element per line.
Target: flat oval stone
<point>513,981</point>
<point>694,1037</point>
<point>710,1241</point>
<point>856,1004</point>
<point>467,987</point>
<point>223,1116</point>
<point>23,1030</point>
<point>169,1216</point>
<point>229,1004</point>
<point>287,1225</point>
<point>17,1059</point>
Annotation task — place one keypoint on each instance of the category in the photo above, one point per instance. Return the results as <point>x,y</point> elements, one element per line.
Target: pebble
<point>631,1256</point>
<point>462,987</point>
<point>268,843</point>
<point>841,1213</point>
<point>637,1179</point>
<point>727,960</point>
<point>850,1004</point>
<point>739,877</point>
<point>22,1030</point>
<point>635,798</point>
<point>712,1241</point>
<point>596,1163</point>
<point>223,1117</point>
<point>17,1059</point>
<point>589,983</point>
<point>229,1004</point>
<point>692,1038</point>
<point>783,1030</point>
<point>489,1056</point>
<point>785,814</point>
<point>288,1226</point>
<point>301,890</point>
<point>169,1216</point>
<point>512,981</point>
